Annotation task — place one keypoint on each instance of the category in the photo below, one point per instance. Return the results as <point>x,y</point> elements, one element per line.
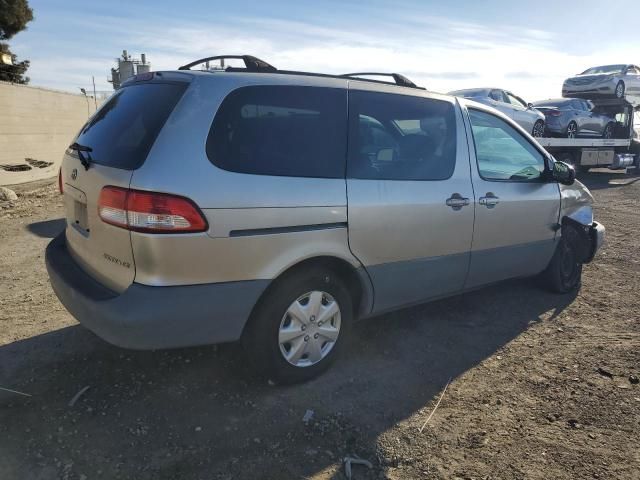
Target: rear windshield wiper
<point>85,161</point>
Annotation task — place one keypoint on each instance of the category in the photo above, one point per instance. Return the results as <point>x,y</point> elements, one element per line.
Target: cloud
<point>440,53</point>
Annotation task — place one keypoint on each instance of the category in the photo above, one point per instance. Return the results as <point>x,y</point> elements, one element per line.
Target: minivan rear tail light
<point>149,212</point>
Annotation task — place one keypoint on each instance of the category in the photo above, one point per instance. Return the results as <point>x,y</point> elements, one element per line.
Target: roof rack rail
<point>252,64</point>
<point>400,80</point>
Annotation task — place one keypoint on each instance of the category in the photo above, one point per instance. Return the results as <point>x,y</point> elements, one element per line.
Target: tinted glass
<point>281,130</point>
<point>502,152</point>
<point>418,143</point>
<point>516,101</point>
<point>470,93</point>
<point>122,132</point>
<point>497,96</point>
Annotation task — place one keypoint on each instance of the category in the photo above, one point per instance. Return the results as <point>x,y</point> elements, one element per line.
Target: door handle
<point>489,200</point>
<point>457,201</point>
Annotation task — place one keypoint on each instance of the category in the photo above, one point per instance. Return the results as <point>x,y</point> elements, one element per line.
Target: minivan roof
<point>255,65</point>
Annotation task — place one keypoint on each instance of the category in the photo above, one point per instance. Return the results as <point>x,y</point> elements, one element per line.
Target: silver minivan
<point>277,207</point>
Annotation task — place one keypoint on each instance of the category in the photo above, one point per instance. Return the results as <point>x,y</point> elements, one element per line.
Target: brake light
<point>60,185</point>
<point>149,212</point>
<point>554,113</point>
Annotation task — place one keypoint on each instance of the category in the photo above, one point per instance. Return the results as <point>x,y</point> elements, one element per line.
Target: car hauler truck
<point>620,152</point>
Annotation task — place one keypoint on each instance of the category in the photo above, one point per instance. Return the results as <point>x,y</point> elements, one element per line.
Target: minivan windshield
<point>604,69</point>
<point>123,130</point>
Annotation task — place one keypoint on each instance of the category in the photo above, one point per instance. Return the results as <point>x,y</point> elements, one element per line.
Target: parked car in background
<point>240,240</point>
<point>608,80</point>
<point>574,117</point>
<point>508,103</point>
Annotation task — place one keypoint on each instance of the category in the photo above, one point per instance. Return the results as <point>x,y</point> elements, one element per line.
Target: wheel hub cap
<point>309,329</point>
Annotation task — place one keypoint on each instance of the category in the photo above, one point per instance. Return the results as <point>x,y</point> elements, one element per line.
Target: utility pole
<point>95,101</point>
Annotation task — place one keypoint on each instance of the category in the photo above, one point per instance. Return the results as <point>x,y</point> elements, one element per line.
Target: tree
<point>14,16</point>
<point>13,73</point>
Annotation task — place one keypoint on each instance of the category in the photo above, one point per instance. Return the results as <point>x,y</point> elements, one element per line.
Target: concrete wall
<point>36,126</point>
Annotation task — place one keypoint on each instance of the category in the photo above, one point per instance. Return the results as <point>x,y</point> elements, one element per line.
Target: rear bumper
<point>145,317</point>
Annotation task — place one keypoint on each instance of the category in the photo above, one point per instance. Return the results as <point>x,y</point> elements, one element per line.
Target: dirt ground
<point>542,386</point>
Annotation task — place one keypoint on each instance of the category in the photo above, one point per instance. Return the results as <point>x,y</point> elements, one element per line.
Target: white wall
<point>37,123</point>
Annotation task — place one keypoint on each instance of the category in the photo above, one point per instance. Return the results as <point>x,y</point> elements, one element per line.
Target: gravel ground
<point>541,386</point>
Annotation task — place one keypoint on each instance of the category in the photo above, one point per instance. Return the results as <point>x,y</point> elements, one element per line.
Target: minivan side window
<point>419,137</point>
<point>281,130</point>
<point>502,152</point>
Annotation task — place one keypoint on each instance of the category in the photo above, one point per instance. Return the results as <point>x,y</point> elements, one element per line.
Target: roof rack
<point>400,80</point>
<point>252,64</point>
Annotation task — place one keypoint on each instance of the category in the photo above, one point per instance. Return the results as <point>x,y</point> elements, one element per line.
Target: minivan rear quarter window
<point>122,132</point>
<point>281,130</point>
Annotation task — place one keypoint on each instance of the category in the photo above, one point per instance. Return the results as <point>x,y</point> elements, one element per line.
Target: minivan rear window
<point>122,132</point>
<point>281,130</point>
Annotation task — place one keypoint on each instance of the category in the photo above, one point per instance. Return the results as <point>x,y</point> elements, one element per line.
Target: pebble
<point>7,194</point>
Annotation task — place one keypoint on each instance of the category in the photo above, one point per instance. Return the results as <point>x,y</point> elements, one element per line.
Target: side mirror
<point>529,105</point>
<point>563,173</point>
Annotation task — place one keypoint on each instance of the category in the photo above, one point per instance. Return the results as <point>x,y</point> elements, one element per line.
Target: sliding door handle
<point>457,201</point>
<point>489,200</point>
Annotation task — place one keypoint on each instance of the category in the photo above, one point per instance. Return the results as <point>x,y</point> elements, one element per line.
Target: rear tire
<point>564,273</point>
<point>620,88</point>
<point>538,129</point>
<point>608,131</point>
<point>309,352</point>
<point>572,130</point>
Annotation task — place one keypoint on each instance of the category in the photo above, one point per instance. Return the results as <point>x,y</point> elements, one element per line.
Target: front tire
<point>572,130</point>
<point>620,88</point>
<point>564,273</point>
<point>538,129</point>
<point>300,327</point>
<point>608,131</point>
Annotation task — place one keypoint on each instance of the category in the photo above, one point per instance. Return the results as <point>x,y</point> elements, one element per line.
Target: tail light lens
<point>60,185</point>
<point>149,212</point>
<point>554,113</point>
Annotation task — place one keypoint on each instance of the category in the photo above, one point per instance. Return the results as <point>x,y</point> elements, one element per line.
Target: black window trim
<point>455,164</point>
<point>545,177</point>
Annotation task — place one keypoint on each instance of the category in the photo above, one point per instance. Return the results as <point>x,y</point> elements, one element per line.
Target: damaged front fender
<point>576,212</point>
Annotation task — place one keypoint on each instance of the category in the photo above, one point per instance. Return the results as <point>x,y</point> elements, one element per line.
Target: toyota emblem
<point>74,174</point>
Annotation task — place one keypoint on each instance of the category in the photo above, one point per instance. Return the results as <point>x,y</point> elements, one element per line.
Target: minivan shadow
<point>199,412</point>
<point>47,228</point>
<point>598,180</point>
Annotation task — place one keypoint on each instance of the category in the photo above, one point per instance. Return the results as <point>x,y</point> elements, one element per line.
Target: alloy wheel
<point>309,329</point>
<point>538,129</point>
<point>620,90</point>
<point>572,130</point>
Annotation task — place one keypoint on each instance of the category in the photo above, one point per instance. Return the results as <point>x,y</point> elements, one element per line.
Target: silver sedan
<point>619,81</point>
<point>510,104</point>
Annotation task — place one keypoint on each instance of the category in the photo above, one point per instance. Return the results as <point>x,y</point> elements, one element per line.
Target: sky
<point>526,47</point>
